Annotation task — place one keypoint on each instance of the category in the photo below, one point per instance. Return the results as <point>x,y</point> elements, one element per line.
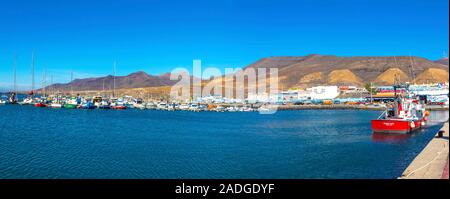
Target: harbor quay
<point>128,102</point>
<point>432,162</point>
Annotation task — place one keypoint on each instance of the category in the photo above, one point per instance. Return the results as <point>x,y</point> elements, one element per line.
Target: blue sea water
<point>110,144</point>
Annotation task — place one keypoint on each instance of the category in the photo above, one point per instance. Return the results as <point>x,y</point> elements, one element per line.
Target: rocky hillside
<point>443,61</point>
<point>301,71</point>
<point>332,70</point>
<point>135,80</point>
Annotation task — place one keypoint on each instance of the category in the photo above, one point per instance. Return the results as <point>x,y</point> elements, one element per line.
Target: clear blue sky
<point>157,36</point>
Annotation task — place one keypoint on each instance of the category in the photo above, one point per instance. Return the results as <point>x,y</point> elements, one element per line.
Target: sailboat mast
<point>114,80</point>
<point>15,80</point>
<point>51,84</point>
<point>412,69</point>
<point>71,83</point>
<point>43,82</point>
<point>103,87</point>
<point>32,73</point>
<point>395,61</point>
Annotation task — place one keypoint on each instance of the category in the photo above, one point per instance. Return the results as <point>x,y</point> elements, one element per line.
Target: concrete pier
<point>432,162</point>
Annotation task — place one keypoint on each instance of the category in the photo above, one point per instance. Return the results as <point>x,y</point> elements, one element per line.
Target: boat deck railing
<point>382,115</point>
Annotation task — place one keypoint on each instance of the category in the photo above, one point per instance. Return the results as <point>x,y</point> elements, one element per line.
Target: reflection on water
<point>389,137</point>
<point>74,144</point>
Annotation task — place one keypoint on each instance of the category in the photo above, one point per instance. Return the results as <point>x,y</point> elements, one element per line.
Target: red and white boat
<point>119,107</point>
<point>40,105</point>
<point>405,115</point>
<point>119,104</point>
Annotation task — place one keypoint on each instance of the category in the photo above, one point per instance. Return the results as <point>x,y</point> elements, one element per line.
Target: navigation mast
<point>411,69</point>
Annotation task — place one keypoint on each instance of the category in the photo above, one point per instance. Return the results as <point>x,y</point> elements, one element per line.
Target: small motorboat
<point>40,105</point>
<point>71,104</point>
<point>150,105</point>
<point>138,103</point>
<point>183,106</point>
<point>193,107</point>
<point>87,105</point>
<point>104,105</point>
<point>3,99</point>
<point>161,106</point>
<point>56,105</point>
<point>12,98</point>
<point>120,105</point>
<point>26,101</point>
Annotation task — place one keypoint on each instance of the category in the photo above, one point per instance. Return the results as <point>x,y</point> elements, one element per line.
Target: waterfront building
<point>304,95</point>
<point>288,96</point>
<point>324,92</point>
<point>264,98</point>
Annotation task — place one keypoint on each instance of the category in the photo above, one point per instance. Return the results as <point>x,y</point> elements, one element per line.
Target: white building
<point>290,95</point>
<point>263,97</point>
<point>304,94</point>
<point>323,92</point>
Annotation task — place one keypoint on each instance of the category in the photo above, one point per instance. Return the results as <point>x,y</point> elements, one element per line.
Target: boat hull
<point>40,105</point>
<point>104,107</point>
<point>395,126</point>
<point>70,106</point>
<point>87,107</point>
<point>119,107</point>
<point>56,105</point>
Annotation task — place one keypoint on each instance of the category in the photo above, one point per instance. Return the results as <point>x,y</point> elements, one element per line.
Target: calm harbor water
<point>60,143</point>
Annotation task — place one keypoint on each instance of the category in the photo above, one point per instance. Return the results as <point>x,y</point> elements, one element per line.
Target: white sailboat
<point>29,99</point>
<point>12,96</point>
<point>55,101</point>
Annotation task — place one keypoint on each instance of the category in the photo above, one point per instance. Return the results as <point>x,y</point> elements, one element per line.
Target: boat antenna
<point>411,69</point>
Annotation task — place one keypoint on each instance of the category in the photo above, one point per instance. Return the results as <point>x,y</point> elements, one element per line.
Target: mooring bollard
<point>440,133</point>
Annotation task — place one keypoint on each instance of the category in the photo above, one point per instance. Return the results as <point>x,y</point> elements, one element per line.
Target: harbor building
<point>324,92</point>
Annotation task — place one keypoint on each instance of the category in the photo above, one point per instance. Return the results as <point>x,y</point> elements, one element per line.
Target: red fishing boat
<point>405,115</point>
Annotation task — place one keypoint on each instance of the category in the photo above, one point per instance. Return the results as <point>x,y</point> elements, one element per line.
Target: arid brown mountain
<point>443,61</point>
<point>135,80</point>
<point>301,71</point>
<point>325,69</point>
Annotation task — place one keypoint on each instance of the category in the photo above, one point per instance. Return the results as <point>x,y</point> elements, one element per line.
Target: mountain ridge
<point>298,71</point>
